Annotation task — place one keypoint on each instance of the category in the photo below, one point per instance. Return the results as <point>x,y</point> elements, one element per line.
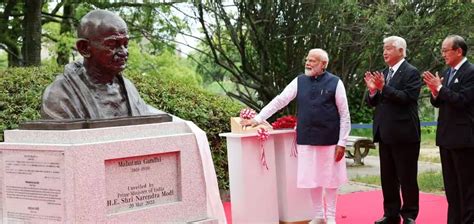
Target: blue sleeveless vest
<point>318,117</point>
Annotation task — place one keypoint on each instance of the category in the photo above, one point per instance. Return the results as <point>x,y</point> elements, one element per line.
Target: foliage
<point>3,59</point>
<point>11,26</point>
<point>64,42</point>
<point>428,136</point>
<point>21,90</point>
<point>20,94</point>
<point>152,21</point>
<point>431,181</point>
<point>261,44</point>
<point>167,65</point>
<point>219,87</point>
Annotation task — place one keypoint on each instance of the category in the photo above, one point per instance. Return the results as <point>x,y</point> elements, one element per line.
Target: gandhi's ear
<point>83,47</point>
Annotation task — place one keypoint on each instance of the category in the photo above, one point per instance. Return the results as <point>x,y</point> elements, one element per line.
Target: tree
<point>11,31</point>
<point>32,33</point>
<point>21,23</point>
<point>270,39</point>
<point>67,28</point>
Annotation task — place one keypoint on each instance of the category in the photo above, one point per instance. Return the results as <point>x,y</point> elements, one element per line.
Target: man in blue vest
<point>322,131</point>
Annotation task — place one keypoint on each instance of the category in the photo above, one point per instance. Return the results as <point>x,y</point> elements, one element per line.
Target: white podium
<point>259,195</point>
<point>295,204</point>
<point>253,190</point>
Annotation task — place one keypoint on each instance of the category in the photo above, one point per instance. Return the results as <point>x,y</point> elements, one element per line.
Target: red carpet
<point>366,207</point>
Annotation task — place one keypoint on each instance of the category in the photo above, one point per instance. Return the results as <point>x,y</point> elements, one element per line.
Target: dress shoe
<point>388,220</point>
<point>409,221</point>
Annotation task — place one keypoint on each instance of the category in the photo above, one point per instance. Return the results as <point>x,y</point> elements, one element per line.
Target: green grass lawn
<point>428,138</point>
<point>427,182</point>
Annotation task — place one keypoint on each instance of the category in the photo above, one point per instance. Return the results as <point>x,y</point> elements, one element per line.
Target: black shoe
<point>388,220</point>
<point>409,221</point>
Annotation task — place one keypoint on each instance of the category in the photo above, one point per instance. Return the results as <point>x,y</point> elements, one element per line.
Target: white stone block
<point>129,174</point>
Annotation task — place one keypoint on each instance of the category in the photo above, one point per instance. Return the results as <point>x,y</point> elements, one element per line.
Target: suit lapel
<point>458,74</point>
<point>385,73</point>
<point>445,77</point>
<point>461,71</point>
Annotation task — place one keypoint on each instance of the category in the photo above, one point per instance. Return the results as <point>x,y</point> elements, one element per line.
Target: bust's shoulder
<point>56,89</point>
<point>63,83</point>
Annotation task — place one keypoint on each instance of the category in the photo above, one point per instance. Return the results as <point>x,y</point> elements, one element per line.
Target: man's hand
<point>369,81</point>
<point>248,122</point>
<point>340,150</point>
<point>379,80</point>
<point>432,81</point>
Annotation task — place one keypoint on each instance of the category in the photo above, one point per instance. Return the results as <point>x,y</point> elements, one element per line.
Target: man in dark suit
<point>394,94</point>
<point>453,94</point>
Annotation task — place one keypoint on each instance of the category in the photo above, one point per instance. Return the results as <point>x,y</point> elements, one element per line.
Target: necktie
<point>452,71</point>
<point>389,75</point>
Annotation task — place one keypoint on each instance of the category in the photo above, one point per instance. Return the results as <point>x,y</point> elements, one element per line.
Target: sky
<point>184,11</point>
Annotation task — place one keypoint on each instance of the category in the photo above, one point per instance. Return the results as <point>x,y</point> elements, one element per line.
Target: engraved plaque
<point>32,186</point>
<point>140,182</point>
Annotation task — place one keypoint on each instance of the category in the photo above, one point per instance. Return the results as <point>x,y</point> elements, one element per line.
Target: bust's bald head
<point>103,42</point>
<point>95,21</point>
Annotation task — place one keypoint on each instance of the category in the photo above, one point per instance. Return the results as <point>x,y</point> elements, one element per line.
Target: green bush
<point>20,94</point>
<point>21,90</point>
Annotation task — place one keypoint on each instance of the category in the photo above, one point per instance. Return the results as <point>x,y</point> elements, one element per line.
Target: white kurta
<point>316,164</point>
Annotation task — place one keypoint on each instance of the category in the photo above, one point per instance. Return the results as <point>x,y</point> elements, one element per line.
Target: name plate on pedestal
<point>144,181</point>
<point>33,193</point>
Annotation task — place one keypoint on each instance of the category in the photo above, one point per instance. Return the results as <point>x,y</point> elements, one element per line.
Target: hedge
<point>21,90</point>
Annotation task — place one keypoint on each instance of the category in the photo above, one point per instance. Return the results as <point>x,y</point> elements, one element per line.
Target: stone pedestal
<point>265,196</point>
<point>148,173</point>
<point>253,189</point>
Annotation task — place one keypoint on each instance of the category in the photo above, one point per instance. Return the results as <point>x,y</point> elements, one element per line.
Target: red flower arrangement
<point>288,121</point>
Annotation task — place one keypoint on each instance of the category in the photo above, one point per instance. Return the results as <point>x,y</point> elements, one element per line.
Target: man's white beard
<point>308,72</point>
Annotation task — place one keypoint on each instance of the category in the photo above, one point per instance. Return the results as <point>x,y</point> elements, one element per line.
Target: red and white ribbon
<point>262,136</point>
<point>247,113</point>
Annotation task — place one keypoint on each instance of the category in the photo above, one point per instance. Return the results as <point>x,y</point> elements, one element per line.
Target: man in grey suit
<point>453,94</point>
<point>394,94</point>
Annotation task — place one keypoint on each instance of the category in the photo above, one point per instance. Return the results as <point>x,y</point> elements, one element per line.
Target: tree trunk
<point>66,26</point>
<point>32,36</point>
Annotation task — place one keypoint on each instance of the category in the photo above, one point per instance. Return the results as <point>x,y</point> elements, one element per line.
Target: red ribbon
<point>262,136</point>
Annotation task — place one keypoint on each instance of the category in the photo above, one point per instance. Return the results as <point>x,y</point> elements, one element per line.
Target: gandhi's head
<point>103,42</point>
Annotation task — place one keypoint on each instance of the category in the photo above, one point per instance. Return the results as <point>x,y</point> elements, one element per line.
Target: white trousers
<point>325,207</point>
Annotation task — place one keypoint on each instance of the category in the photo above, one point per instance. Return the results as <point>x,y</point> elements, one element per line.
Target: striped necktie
<point>452,71</point>
<point>389,75</point>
